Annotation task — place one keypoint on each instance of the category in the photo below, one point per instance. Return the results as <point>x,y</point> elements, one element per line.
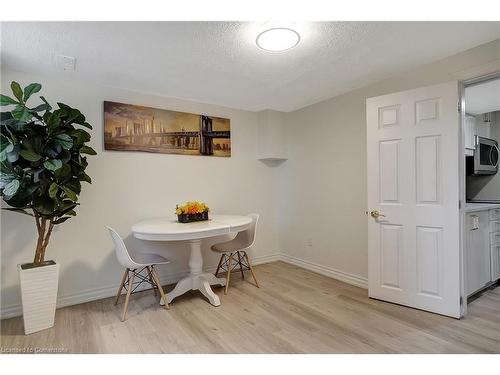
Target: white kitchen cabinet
<point>478,251</point>
<point>470,131</point>
<point>474,126</point>
<point>495,244</point>
<point>495,262</point>
<point>495,214</point>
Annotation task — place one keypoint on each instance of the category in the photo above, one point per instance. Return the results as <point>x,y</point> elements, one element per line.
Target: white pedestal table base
<point>197,279</point>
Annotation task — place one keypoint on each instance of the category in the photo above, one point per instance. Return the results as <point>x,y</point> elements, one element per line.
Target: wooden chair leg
<point>150,271</point>
<point>228,275</point>
<point>220,263</point>
<point>121,286</point>
<point>251,270</point>
<point>241,265</point>
<point>160,288</point>
<point>129,291</point>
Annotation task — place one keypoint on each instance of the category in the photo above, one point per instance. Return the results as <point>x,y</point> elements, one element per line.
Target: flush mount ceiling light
<point>278,39</point>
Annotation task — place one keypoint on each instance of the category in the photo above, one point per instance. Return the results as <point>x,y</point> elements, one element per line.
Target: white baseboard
<point>109,291</point>
<point>348,278</point>
<point>169,278</point>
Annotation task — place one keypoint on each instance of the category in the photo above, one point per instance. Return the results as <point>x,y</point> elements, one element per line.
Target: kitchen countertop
<point>472,206</point>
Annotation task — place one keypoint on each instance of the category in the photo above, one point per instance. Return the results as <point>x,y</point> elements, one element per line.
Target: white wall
<point>312,205</point>
<point>323,221</point>
<point>130,186</point>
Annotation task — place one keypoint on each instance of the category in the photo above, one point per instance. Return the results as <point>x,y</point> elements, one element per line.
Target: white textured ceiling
<point>218,62</point>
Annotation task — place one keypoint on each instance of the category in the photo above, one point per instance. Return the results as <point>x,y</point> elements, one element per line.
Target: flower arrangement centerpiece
<point>192,211</point>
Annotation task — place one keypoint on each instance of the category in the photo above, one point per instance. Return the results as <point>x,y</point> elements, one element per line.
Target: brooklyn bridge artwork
<point>135,128</point>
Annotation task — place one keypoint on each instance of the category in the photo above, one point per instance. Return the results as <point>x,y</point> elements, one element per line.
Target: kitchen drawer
<point>495,262</point>
<point>495,238</point>
<point>495,214</point>
<point>494,226</point>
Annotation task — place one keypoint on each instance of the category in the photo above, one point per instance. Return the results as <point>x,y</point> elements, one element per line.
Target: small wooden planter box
<point>189,218</point>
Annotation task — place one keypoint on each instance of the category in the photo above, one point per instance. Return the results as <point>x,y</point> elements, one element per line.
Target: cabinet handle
<point>475,222</point>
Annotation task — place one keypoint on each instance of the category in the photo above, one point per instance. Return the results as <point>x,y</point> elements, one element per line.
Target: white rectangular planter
<point>39,296</point>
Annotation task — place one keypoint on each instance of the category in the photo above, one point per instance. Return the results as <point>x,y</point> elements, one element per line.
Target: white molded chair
<point>234,253</point>
<point>134,267</point>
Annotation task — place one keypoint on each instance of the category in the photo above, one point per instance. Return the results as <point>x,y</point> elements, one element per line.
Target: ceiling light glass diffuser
<point>278,39</point>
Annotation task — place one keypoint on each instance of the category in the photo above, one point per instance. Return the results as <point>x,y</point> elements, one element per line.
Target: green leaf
<point>82,176</point>
<point>5,144</point>
<point>21,113</point>
<point>24,196</point>
<point>9,151</point>
<point>52,164</point>
<point>70,193</point>
<point>53,149</point>
<point>11,122</point>
<point>6,100</point>
<point>34,143</point>
<point>76,116</point>
<point>64,140</point>
<point>40,108</point>
<point>29,155</point>
<point>17,91</point>
<point>31,89</point>
<point>64,107</point>
<point>13,155</point>
<point>61,220</point>
<point>63,172</point>
<point>44,205</point>
<point>81,136</point>
<point>88,150</point>
<point>67,206</point>
<point>87,125</point>
<point>75,185</point>
<point>5,168</point>
<point>53,190</point>
<point>49,107</point>
<point>5,117</point>
<point>6,178</point>
<point>53,120</point>
<point>11,188</point>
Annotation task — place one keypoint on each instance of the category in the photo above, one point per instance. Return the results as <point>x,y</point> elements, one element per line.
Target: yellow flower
<point>191,207</point>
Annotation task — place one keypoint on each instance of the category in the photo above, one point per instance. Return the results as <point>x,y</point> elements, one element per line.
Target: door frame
<point>462,84</point>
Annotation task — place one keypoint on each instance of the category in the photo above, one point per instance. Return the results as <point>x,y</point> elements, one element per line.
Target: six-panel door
<point>413,179</point>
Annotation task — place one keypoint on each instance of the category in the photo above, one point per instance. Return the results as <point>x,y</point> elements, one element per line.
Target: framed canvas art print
<point>130,127</point>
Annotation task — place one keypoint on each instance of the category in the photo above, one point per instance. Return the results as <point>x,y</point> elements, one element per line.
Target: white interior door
<point>413,179</point>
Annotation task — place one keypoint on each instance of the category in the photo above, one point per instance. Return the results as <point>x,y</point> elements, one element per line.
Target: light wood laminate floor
<point>294,311</point>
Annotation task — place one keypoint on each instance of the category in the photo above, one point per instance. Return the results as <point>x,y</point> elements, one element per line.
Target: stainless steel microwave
<point>485,156</point>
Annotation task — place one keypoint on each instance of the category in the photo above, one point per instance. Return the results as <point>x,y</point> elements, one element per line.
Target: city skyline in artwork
<point>130,127</point>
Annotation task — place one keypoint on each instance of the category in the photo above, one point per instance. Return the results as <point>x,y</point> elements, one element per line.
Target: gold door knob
<point>375,214</point>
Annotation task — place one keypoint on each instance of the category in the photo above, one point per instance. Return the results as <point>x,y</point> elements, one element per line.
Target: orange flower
<point>192,207</point>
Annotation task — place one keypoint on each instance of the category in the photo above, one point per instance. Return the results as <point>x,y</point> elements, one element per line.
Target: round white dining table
<point>169,229</point>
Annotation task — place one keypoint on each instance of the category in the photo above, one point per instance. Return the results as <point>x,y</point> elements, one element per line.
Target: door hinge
<point>459,106</point>
<point>460,204</point>
<point>461,301</point>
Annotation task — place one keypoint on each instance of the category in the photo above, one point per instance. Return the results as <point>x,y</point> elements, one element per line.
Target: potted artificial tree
<point>42,167</point>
